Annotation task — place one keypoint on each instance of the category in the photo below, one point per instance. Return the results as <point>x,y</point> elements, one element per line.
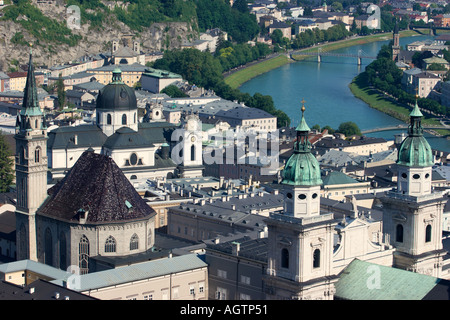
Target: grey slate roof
<point>126,138</point>
<point>243,113</point>
<point>96,185</point>
<point>140,271</point>
<point>42,290</point>
<point>87,136</point>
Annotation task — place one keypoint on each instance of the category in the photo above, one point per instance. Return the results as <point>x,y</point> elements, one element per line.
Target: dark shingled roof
<point>96,185</point>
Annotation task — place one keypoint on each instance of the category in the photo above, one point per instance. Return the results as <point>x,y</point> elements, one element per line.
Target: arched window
<point>316,258</point>
<point>37,155</point>
<point>48,258</point>
<point>124,119</point>
<point>110,244</point>
<point>428,233</point>
<point>193,153</point>
<point>134,242</point>
<point>284,258</point>
<point>399,233</point>
<point>108,119</point>
<point>83,255</point>
<point>62,251</point>
<point>135,117</point>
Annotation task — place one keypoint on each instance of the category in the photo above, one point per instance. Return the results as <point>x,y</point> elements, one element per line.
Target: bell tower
<point>300,240</point>
<point>31,167</point>
<point>396,43</point>
<point>412,214</point>
<point>192,160</point>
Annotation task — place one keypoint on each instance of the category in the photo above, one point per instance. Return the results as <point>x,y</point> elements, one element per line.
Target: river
<point>328,99</point>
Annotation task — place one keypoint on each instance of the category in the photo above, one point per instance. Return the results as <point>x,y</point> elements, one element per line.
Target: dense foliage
<point>384,75</point>
<point>40,26</point>
<point>205,70</point>
<point>239,24</point>
<point>6,165</point>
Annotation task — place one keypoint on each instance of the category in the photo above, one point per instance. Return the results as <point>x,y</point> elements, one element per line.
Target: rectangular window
<point>221,273</point>
<point>245,279</point>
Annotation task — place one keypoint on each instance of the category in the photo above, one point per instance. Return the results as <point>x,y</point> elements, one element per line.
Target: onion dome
<point>302,168</point>
<point>415,150</point>
<point>116,95</point>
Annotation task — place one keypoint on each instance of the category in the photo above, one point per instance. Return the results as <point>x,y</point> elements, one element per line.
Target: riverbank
<point>375,99</point>
<point>245,73</point>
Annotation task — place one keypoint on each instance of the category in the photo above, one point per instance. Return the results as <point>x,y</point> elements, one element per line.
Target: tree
<point>173,91</point>
<point>349,128</point>
<point>6,165</point>
<point>61,92</point>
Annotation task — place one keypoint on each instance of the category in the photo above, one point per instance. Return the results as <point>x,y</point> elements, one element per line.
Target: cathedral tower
<point>412,215</point>
<point>396,44</point>
<point>31,167</point>
<point>300,247</point>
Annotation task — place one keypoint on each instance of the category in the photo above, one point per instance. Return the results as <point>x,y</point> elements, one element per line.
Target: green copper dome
<point>415,150</point>
<point>302,168</point>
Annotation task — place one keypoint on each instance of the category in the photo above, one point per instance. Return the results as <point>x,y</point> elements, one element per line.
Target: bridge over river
<point>398,127</point>
<point>320,53</point>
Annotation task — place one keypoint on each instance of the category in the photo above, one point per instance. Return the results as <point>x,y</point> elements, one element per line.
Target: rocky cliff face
<point>157,37</point>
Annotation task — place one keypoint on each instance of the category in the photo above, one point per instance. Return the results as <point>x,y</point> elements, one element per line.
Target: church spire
<point>302,144</point>
<point>30,106</point>
<point>415,126</point>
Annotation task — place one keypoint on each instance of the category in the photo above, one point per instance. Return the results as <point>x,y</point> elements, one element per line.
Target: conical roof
<point>95,185</point>
<point>30,105</point>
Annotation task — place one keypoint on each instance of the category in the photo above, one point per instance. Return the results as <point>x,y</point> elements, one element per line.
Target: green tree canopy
<point>349,128</point>
<point>6,165</point>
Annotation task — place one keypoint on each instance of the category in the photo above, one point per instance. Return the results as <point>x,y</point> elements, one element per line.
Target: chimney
<point>236,247</point>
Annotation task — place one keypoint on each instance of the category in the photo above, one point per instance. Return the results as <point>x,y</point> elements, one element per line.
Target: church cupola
<point>302,176</point>
<point>116,105</point>
<point>415,159</point>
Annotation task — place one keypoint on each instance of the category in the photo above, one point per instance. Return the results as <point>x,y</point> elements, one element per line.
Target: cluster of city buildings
<point>149,197</point>
<point>126,206</point>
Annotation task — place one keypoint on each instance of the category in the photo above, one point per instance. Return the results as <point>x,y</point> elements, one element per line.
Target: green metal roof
<point>302,168</point>
<point>362,280</point>
<point>415,111</point>
<point>303,126</point>
<point>415,150</point>
<point>336,177</point>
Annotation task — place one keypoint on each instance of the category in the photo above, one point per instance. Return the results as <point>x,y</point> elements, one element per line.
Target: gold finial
<point>303,105</point>
<point>417,89</point>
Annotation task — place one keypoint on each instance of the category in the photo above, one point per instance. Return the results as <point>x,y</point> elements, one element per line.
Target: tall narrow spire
<point>30,106</point>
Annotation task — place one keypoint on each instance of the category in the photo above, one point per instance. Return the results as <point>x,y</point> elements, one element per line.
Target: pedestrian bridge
<point>319,53</point>
<point>398,127</point>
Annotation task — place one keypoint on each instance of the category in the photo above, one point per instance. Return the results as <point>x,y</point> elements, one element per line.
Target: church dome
<point>415,150</point>
<point>116,95</point>
<point>302,168</point>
